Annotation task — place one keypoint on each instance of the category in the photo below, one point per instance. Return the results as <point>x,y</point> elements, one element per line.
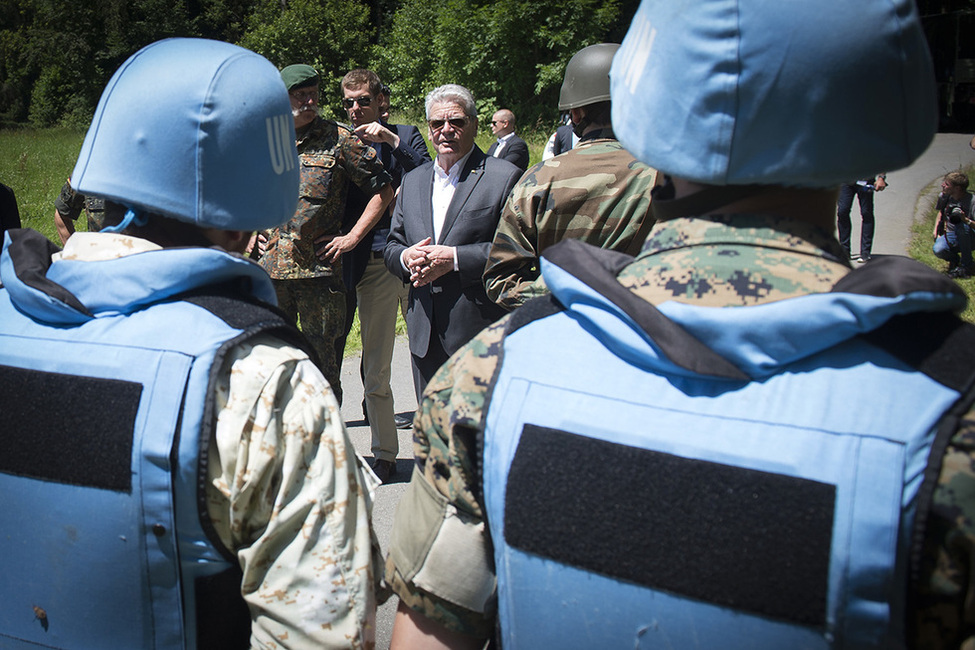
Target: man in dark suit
<point>441,233</point>
<point>377,293</point>
<point>508,146</point>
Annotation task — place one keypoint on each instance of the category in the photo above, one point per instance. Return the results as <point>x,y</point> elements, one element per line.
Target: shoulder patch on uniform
<point>739,538</point>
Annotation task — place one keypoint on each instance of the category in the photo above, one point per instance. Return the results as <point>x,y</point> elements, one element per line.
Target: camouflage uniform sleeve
<point>287,492</point>
<point>361,163</point>
<point>512,275</point>
<point>944,616</point>
<point>440,561</point>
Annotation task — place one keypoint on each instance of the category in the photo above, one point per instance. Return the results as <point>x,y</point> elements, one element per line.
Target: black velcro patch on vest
<point>744,539</point>
<point>67,428</point>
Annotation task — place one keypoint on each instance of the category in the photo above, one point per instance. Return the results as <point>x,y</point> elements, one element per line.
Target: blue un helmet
<point>810,94</point>
<point>197,130</point>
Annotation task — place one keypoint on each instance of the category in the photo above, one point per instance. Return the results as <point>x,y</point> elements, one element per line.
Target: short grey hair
<point>454,94</point>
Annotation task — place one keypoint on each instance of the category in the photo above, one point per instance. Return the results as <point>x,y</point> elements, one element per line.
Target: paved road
<point>895,208</point>
<point>905,197</point>
<point>387,496</point>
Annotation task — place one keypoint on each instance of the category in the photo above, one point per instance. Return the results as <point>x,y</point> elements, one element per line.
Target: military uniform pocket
<point>316,175</point>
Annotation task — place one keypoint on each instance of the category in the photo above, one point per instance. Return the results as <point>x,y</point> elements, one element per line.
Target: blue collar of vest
<point>737,342</point>
<point>70,292</point>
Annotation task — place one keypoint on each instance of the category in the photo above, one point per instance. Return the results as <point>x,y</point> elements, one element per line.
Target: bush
<point>333,36</point>
<point>509,53</point>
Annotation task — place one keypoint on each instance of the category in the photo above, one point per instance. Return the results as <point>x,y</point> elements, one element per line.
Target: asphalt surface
<point>909,193</point>
<point>388,495</point>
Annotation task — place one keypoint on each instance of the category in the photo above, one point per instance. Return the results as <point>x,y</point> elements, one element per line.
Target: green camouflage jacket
<point>597,193</point>
<point>702,261</point>
<point>330,157</point>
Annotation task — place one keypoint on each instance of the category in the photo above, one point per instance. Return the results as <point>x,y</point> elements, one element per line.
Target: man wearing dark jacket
<point>377,292</point>
<point>441,233</point>
<point>508,146</point>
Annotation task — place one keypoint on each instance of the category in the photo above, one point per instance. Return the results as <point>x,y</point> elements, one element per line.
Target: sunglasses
<point>456,122</point>
<point>304,95</point>
<point>363,101</point>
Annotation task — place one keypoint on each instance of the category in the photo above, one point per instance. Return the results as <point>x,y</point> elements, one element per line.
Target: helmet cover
<point>737,92</point>
<point>197,130</point>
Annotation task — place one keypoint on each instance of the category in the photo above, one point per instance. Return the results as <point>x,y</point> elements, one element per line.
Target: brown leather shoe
<point>384,469</point>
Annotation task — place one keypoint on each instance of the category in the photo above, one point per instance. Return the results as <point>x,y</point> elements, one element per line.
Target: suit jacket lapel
<point>469,177</point>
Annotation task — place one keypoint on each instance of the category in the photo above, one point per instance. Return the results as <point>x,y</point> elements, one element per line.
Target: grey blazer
<point>454,307</point>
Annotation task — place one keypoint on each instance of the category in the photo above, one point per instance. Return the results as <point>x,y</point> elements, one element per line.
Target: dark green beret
<point>298,75</point>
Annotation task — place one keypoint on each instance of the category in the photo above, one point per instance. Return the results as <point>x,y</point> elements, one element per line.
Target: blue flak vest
<point>107,412</point>
<point>690,477</point>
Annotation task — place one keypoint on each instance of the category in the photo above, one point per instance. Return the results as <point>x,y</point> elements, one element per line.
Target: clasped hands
<point>427,261</point>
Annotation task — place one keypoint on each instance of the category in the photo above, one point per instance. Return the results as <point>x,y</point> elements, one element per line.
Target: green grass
<point>921,241</point>
<point>35,163</point>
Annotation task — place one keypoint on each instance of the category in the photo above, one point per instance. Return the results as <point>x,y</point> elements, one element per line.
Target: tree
<point>509,53</point>
<point>331,35</point>
<point>15,73</point>
<point>56,57</point>
<point>61,55</point>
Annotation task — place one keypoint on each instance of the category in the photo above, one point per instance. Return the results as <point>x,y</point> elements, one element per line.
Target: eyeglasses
<point>496,122</point>
<point>363,101</point>
<point>303,96</point>
<point>456,122</point>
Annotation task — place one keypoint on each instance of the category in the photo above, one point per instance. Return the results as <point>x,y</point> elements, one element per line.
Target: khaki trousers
<point>380,295</point>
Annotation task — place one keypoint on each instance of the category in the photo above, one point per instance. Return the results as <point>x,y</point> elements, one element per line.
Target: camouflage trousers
<point>318,306</point>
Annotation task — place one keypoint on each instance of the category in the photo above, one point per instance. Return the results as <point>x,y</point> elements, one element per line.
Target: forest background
<point>56,56</point>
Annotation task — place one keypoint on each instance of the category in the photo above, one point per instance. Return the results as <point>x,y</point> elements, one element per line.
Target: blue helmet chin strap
<point>131,217</point>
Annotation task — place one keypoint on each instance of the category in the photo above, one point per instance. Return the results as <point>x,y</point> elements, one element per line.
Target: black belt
<point>376,255</point>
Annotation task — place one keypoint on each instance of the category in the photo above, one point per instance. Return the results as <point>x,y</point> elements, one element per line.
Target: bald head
<point>503,123</point>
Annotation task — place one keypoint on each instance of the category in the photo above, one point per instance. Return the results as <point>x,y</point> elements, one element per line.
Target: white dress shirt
<point>444,185</point>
